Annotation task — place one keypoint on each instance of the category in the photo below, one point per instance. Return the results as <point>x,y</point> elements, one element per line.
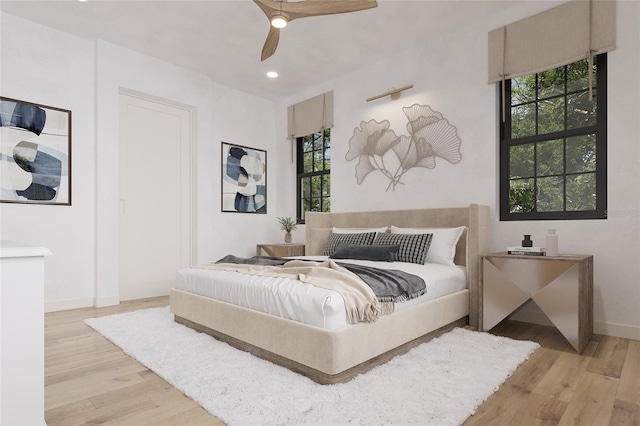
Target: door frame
<point>192,165</point>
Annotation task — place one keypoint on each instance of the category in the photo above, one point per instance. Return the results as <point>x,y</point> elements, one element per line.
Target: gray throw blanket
<point>389,285</point>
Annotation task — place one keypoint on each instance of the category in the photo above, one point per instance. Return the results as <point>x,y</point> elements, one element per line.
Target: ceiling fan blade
<point>301,9</point>
<point>327,7</point>
<point>271,44</point>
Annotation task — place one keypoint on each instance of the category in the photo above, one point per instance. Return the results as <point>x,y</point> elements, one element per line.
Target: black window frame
<point>600,130</point>
<point>301,174</point>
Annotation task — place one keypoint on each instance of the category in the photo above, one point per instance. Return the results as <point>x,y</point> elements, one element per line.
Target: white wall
<point>450,74</point>
<point>46,66</point>
<point>37,67</point>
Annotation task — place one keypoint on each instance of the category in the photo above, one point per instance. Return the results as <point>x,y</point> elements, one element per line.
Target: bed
<point>337,354</point>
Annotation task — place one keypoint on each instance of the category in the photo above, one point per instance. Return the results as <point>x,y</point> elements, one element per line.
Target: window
<point>553,145</point>
<point>314,173</point>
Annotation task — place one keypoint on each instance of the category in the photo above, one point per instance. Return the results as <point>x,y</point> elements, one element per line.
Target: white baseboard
<point>101,302</point>
<point>65,305</point>
<point>599,327</point>
<point>617,330</point>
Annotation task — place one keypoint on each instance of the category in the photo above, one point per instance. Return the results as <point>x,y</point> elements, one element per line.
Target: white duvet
<point>303,302</point>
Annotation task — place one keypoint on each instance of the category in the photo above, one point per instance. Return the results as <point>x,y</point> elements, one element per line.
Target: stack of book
<point>527,251</point>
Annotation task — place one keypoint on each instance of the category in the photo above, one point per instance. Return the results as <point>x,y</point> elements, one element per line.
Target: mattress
<point>298,301</point>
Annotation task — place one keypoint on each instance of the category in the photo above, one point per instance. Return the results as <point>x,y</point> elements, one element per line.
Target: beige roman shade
<point>559,36</point>
<point>310,116</point>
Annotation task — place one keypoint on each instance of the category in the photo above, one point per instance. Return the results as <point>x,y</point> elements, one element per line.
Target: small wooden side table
<point>280,250</point>
<point>561,286</point>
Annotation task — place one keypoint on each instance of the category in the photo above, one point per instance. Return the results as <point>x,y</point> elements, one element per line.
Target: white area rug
<point>437,383</point>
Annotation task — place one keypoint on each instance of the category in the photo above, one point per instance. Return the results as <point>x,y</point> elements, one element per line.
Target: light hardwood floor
<point>556,386</point>
<point>88,380</point>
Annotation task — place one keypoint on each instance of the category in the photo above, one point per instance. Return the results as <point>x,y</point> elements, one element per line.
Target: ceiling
<point>223,39</point>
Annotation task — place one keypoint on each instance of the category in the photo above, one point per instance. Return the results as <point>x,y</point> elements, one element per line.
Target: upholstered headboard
<point>473,243</point>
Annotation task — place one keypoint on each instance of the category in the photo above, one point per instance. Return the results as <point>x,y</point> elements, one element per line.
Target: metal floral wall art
<point>380,149</point>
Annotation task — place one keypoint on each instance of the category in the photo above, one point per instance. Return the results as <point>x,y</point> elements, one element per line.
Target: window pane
<point>316,205</point>
<point>327,151</point>
<point>307,162</point>
<point>318,163</point>
<point>314,162</point>
<point>326,204</point>
<point>581,154</point>
<point>326,186</point>
<point>581,112</point>
<point>578,77</point>
<point>551,115</point>
<point>306,188</point>
<point>522,196</point>
<point>521,161</point>
<point>523,89</point>
<point>551,83</point>
<point>523,121</point>
<point>317,141</point>
<point>581,192</point>
<point>307,143</point>
<point>305,207</point>
<point>550,157</point>
<point>315,186</point>
<point>550,194</point>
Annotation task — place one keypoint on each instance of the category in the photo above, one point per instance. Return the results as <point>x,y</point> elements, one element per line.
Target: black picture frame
<point>244,179</point>
<point>35,153</point>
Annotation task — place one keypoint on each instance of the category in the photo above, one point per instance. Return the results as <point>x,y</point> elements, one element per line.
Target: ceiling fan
<point>281,12</point>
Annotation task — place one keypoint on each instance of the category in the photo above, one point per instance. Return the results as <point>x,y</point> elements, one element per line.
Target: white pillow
<point>358,230</point>
<point>443,244</point>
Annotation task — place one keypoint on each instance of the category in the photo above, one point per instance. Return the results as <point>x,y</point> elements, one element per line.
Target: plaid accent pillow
<point>361,239</point>
<point>413,247</point>
<point>443,244</point>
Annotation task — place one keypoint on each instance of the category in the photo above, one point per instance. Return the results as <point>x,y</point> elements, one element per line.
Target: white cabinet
<point>21,334</point>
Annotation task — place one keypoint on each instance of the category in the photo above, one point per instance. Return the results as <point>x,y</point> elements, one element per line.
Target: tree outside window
<point>553,145</point>
<point>314,173</point>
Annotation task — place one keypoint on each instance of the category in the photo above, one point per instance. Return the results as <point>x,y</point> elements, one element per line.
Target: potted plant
<point>288,224</point>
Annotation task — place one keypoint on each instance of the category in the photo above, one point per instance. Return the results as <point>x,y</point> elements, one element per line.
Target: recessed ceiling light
<point>272,74</point>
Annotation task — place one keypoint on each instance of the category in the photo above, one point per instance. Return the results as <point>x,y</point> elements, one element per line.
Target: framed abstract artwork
<point>35,153</point>
<point>244,179</point>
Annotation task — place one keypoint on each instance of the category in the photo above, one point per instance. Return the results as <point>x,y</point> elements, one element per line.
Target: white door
<point>155,236</point>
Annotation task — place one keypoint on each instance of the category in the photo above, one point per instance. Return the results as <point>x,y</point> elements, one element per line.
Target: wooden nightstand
<point>280,250</point>
<point>561,286</point>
